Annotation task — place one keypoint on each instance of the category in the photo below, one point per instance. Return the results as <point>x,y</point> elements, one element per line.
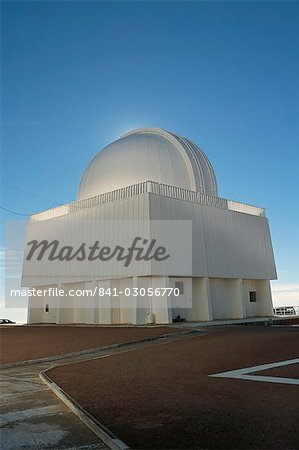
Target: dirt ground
<point>291,371</point>
<point>21,343</point>
<point>287,321</point>
<point>162,398</point>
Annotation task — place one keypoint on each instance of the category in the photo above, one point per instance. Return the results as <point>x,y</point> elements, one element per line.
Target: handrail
<point>153,187</point>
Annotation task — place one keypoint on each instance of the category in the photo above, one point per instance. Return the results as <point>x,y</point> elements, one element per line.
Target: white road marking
<point>29,413</point>
<point>23,380</point>
<point>242,374</point>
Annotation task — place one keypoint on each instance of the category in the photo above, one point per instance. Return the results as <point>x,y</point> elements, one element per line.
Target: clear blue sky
<point>76,75</point>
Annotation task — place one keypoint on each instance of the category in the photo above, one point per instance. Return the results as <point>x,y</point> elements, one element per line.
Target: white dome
<point>148,154</point>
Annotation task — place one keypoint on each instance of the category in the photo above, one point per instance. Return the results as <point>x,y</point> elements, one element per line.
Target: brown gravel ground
<point>161,397</point>
<point>291,371</point>
<point>289,321</point>
<point>21,343</point>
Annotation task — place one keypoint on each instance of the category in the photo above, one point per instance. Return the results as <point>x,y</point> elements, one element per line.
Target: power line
<point>13,212</point>
<point>26,192</point>
<point>24,214</point>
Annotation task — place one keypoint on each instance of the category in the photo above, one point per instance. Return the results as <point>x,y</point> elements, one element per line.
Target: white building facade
<point>147,176</point>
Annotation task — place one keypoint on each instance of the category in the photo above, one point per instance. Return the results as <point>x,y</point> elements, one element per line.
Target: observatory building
<point>152,176</point>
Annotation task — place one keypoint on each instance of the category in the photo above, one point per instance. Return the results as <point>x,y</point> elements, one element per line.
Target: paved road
<point>32,417</point>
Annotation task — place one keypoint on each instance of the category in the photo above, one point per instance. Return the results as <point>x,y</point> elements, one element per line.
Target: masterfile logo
<point>144,250</point>
<point>93,249</point>
<point>76,254</point>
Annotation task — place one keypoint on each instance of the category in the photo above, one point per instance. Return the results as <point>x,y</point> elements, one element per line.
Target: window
<point>252,296</point>
<point>180,286</point>
<point>47,308</point>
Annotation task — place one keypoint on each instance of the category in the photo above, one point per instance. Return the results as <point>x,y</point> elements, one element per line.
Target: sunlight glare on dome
<point>148,154</point>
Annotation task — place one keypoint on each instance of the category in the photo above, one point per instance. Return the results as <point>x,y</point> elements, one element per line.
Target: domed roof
<point>148,154</point>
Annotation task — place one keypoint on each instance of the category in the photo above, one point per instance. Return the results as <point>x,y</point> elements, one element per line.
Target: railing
<point>153,187</point>
<point>244,208</point>
<point>186,195</point>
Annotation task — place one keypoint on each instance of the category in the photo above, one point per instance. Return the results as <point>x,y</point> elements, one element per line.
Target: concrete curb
<point>109,438</point>
<point>91,422</point>
<point>90,351</point>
